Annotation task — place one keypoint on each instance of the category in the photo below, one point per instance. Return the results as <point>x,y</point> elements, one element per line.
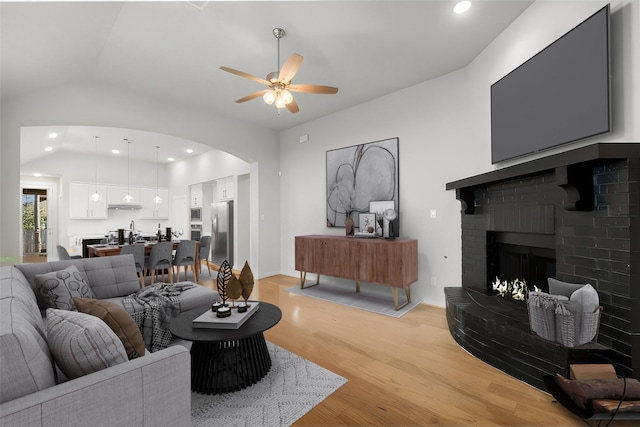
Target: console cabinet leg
<point>303,277</point>
<point>394,291</point>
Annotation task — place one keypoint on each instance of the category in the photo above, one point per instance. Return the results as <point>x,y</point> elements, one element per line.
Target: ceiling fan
<point>279,82</point>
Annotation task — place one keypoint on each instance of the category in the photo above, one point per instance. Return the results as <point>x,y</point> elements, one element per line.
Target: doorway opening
<point>34,224</point>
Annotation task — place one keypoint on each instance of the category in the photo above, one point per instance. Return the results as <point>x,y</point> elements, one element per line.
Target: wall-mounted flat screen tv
<point>560,95</point>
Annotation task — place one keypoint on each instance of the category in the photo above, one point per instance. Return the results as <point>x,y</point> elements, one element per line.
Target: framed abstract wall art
<point>360,174</point>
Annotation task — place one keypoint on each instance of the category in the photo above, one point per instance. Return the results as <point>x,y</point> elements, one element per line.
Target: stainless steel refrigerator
<point>222,232</point>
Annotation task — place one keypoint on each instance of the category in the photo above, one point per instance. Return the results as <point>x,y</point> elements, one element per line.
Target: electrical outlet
<point>433,213</point>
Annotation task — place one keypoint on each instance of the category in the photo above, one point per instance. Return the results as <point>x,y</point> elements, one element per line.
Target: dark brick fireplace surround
<point>585,204</point>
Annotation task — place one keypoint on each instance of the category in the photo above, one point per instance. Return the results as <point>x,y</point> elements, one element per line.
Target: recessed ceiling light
<point>53,135</point>
<point>115,151</point>
<point>37,174</point>
<point>462,7</point>
<point>189,150</point>
<point>48,148</point>
<point>171,159</point>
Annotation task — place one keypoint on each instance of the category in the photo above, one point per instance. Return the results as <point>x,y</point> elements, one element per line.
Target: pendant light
<point>128,198</point>
<point>157,199</point>
<point>96,196</point>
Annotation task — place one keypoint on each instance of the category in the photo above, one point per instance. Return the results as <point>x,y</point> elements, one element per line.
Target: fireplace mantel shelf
<point>572,168</point>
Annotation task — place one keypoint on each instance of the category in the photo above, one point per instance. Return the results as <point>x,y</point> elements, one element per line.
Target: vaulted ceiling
<point>173,50</point>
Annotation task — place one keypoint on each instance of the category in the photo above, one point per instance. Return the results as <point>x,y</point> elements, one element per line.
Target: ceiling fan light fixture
<point>286,96</point>
<point>270,97</point>
<point>280,102</point>
<point>279,82</point>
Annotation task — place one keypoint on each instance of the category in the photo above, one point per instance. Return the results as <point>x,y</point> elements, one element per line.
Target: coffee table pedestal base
<point>227,366</point>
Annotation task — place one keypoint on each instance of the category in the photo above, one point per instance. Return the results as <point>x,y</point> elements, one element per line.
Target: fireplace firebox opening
<point>525,256</point>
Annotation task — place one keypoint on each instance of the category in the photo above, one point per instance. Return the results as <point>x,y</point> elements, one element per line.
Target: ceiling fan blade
<point>290,68</point>
<point>293,107</point>
<point>245,75</point>
<point>328,90</point>
<point>252,96</point>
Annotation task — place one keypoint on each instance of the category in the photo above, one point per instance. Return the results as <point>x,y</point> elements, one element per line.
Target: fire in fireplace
<point>525,256</point>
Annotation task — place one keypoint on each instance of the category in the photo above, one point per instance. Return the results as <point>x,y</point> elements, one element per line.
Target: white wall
<point>84,104</point>
<point>444,131</point>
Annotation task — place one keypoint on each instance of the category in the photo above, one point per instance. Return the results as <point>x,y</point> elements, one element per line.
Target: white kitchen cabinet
<point>116,193</point>
<point>224,188</point>
<point>80,204</point>
<point>150,209</point>
<point>196,195</point>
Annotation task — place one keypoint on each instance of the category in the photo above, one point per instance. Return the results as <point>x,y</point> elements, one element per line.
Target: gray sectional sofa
<point>152,390</point>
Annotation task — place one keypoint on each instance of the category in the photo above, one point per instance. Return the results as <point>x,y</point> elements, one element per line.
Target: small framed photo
<point>379,207</point>
<point>367,220</point>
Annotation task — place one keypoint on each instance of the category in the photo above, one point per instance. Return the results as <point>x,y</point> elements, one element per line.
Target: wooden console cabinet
<point>387,262</point>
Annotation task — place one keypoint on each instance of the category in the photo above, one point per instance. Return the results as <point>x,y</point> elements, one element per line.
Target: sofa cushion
<point>26,365</point>
<point>81,343</point>
<point>58,288</point>
<point>118,320</point>
<point>108,277</point>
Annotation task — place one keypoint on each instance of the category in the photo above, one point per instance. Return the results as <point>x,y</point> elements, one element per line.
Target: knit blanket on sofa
<point>153,308</point>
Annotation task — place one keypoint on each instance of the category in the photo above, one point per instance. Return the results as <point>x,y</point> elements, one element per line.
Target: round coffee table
<point>226,360</point>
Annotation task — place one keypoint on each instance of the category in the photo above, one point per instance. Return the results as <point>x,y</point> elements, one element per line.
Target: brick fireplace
<point>574,216</point>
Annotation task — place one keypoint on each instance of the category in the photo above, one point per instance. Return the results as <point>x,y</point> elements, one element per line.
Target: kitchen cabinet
<point>224,188</point>
<point>150,209</point>
<point>196,195</point>
<point>387,262</point>
<point>116,193</point>
<point>80,204</point>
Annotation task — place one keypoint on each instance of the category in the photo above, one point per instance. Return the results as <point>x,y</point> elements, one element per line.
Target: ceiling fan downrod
<point>278,34</point>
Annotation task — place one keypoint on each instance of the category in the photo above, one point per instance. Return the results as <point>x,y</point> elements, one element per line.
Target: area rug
<point>365,300</point>
<point>292,388</point>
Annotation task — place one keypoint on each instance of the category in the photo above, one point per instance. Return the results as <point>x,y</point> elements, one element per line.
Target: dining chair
<point>64,255</point>
<point>205,251</point>
<point>137,250</point>
<point>159,259</point>
<point>185,256</point>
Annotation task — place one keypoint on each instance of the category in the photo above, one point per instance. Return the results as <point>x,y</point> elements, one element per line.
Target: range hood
<point>129,206</point>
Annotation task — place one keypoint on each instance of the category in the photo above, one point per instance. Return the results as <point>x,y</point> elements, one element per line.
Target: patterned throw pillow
<point>118,320</point>
<point>58,288</point>
<point>81,343</point>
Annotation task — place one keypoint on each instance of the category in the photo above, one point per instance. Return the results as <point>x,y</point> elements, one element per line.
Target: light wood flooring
<point>401,372</point>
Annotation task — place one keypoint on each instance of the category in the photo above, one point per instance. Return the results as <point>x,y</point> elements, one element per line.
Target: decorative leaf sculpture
<point>246,280</point>
<point>234,289</point>
<point>224,275</point>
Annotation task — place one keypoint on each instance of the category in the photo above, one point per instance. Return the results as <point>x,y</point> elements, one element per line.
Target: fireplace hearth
<point>574,216</point>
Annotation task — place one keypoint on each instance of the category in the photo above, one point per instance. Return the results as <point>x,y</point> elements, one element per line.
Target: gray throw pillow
<point>556,287</point>
<point>82,344</point>
<point>58,288</point>
<point>586,303</point>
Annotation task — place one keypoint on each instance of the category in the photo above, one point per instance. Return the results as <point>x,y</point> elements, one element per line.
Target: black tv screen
<point>560,95</point>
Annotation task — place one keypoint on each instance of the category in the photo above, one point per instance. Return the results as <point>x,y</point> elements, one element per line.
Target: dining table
<point>105,249</point>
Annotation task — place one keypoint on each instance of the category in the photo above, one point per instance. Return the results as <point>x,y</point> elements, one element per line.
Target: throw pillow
<point>583,391</point>
<point>58,288</point>
<point>82,344</point>
<point>587,304</point>
<point>557,287</point>
<point>120,322</point>
<point>587,297</point>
